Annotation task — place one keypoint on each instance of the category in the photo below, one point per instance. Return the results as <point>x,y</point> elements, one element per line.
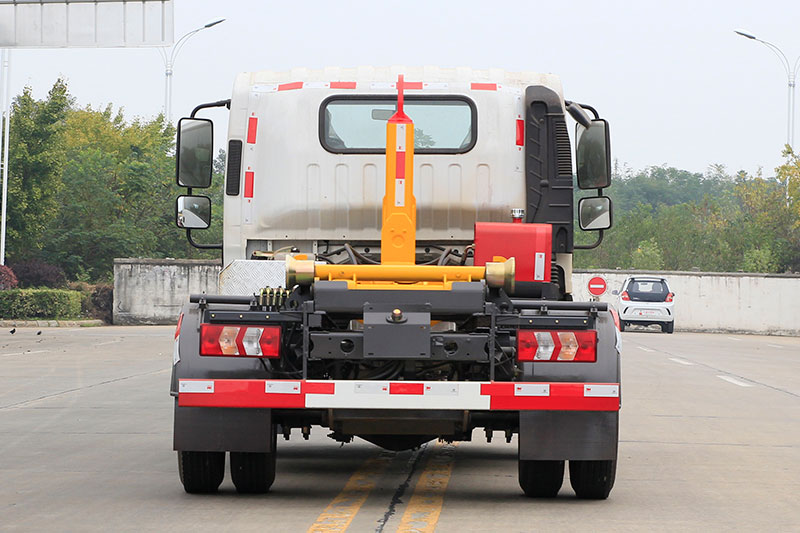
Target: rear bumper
<point>435,395</point>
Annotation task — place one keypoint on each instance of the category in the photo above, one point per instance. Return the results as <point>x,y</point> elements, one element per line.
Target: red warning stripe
<point>412,85</point>
<point>249,179</point>
<point>343,85</point>
<point>400,166</point>
<point>252,129</point>
<point>398,387</point>
<point>290,86</point>
<point>483,86</point>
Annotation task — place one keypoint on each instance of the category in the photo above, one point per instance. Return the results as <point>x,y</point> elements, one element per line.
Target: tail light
<point>625,296</point>
<point>669,297</point>
<point>243,341</point>
<point>578,346</point>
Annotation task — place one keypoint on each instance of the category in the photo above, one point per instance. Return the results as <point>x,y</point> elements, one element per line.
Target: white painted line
<point>108,342</point>
<point>735,381</point>
<point>24,353</point>
<point>774,345</point>
<point>646,349</point>
<point>681,361</point>
<point>735,339</point>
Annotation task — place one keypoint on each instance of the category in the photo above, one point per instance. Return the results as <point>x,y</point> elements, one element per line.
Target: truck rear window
<point>357,124</point>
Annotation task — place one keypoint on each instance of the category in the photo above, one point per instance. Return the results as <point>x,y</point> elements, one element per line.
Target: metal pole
<point>7,126</point>
<point>790,142</point>
<point>168,91</point>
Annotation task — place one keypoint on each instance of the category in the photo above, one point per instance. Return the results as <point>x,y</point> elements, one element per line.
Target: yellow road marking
<point>426,503</point>
<point>340,512</point>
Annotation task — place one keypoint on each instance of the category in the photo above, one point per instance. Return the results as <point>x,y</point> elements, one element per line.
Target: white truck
<point>397,267</point>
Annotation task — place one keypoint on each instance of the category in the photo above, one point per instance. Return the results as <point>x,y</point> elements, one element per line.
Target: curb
<point>50,323</point>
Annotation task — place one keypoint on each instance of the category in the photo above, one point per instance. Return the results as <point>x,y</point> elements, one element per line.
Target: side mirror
<point>593,155</point>
<point>594,213</point>
<point>193,212</point>
<point>195,154</point>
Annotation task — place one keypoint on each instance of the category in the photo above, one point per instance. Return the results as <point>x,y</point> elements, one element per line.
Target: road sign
<point>597,286</point>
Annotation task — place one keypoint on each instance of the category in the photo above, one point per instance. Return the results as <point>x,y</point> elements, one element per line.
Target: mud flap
<point>577,435</point>
<point>210,429</point>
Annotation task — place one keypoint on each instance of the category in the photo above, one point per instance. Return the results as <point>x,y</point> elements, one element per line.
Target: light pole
<point>169,56</point>
<point>791,74</point>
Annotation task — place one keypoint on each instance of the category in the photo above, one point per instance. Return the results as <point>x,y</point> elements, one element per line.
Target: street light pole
<point>169,56</point>
<point>791,74</point>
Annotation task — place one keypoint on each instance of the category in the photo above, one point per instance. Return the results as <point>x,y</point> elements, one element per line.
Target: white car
<point>644,301</point>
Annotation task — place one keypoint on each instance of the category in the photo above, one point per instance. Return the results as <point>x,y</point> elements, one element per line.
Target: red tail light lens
<point>625,296</point>
<point>577,346</point>
<point>669,297</point>
<point>242,341</point>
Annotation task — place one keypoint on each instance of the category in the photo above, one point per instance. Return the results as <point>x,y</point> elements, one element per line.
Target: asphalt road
<point>710,440</point>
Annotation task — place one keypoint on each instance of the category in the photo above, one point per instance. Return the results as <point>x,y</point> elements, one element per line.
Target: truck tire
<point>254,472</point>
<point>541,479</point>
<point>201,472</point>
<point>592,480</point>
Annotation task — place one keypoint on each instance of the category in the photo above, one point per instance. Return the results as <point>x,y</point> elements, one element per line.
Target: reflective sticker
<point>601,391</point>
<point>381,85</point>
<point>369,387</point>
<point>264,88</point>
<point>317,85</point>
<point>538,267</point>
<point>282,387</point>
<point>196,386</point>
<point>399,192</point>
<point>401,137</point>
<point>176,356</point>
<point>441,389</point>
<point>532,389</point>
<point>435,85</point>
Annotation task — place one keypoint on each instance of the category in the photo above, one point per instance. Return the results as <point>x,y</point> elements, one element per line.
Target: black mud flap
<point>576,435</point>
<point>213,429</point>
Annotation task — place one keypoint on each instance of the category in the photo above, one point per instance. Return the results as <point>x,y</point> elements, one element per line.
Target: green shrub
<point>40,303</point>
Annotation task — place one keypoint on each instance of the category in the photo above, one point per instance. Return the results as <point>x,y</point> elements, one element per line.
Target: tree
<point>36,158</point>
<point>647,256</point>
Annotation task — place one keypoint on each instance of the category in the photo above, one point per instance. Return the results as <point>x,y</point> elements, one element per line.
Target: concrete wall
<point>152,291</point>
<point>719,302</point>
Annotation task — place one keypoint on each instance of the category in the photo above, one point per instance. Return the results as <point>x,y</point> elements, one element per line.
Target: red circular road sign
<point>597,286</point>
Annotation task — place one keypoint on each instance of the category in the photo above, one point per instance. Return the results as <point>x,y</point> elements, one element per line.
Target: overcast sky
<point>678,87</point>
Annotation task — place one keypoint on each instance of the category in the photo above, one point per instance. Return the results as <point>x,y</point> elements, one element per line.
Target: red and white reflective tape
<point>456,395</point>
<point>382,85</point>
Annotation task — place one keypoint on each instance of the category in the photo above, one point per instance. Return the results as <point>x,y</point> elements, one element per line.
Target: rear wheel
<point>201,472</point>
<point>254,472</point>
<point>592,480</point>
<point>621,325</point>
<point>668,327</point>
<point>541,479</point>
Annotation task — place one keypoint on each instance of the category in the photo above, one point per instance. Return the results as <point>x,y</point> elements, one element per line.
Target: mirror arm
<point>590,246</point>
<point>200,245</point>
<point>590,108</point>
<point>219,103</point>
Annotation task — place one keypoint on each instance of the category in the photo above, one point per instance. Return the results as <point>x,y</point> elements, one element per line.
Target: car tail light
<point>578,346</point>
<point>669,297</point>
<point>242,341</point>
<point>625,296</point>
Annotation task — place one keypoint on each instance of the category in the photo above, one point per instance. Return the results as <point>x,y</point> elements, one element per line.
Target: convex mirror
<point>193,212</point>
<point>195,152</point>
<point>593,155</point>
<point>594,213</point>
